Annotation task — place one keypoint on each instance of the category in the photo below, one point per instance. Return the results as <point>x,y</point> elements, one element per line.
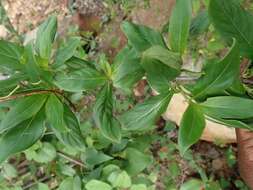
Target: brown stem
<point>69,158</point>
<point>22,95</point>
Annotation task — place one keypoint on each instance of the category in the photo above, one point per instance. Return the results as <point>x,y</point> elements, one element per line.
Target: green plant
<point>41,80</point>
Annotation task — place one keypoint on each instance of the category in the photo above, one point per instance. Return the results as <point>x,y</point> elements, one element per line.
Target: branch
<point>69,158</point>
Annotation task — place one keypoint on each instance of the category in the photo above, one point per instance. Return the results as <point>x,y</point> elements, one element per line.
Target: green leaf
<point>10,55</point>
<point>127,70</point>
<point>219,76</point>
<point>145,114</point>
<point>200,23</point>
<point>93,157</point>
<point>72,137</point>
<point>66,169</point>
<point>161,66</point>
<point>71,183</point>
<point>192,184</point>
<point>191,127</point>
<point>139,187</point>
<point>165,56</point>
<point>22,137</point>
<point>97,185</point>
<point>11,82</point>
<point>231,123</point>
<point>120,179</point>
<point>23,110</point>
<point>136,161</point>
<point>80,80</point>
<point>228,107</point>
<point>142,37</point>
<point>76,63</point>
<point>179,25</point>
<point>66,51</point>
<point>9,171</point>
<point>55,112</point>
<point>44,154</point>
<point>158,74</point>
<point>42,186</point>
<point>107,170</point>
<point>31,64</point>
<point>45,37</point>
<point>103,115</point>
<point>232,21</point>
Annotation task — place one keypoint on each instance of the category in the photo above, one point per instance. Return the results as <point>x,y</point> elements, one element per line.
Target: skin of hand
<point>245,155</point>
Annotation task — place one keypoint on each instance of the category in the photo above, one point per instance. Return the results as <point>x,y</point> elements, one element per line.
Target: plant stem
<point>69,158</point>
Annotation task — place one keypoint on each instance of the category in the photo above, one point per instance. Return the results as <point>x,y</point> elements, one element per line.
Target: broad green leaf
<point>161,66</point>
<point>23,110</point>
<point>231,123</point>
<point>165,56</point>
<point>228,107</point>
<point>76,63</point>
<point>219,76</point>
<point>31,64</point>
<point>179,25</point>
<point>232,21</point>
<point>66,51</point>
<point>42,186</point>
<point>192,184</point>
<point>93,157</point>
<point>80,80</point>
<point>45,37</point>
<point>120,179</point>
<point>71,183</point>
<point>22,136</point>
<point>66,169</point>
<point>136,161</point>
<point>11,82</point>
<point>10,55</point>
<point>72,137</point>
<point>55,113</point>
<point>44,154</point>
<point>199,24</point>
<point>141,37</point>
<point>9,171</point>
<point>107,170</point>
<point>191,127</point>
<point>103,115</point>
<point>127,69</point>
<point>139,187</point>
<point>97,185</point>
<point>145,114</point>
<point>158,74</point>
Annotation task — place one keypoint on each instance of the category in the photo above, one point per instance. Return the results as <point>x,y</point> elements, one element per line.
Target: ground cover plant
<point>45,78</point>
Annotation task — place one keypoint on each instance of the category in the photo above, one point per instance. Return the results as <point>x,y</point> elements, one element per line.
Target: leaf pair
<point>149,48</point>
<point>218,77</point>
